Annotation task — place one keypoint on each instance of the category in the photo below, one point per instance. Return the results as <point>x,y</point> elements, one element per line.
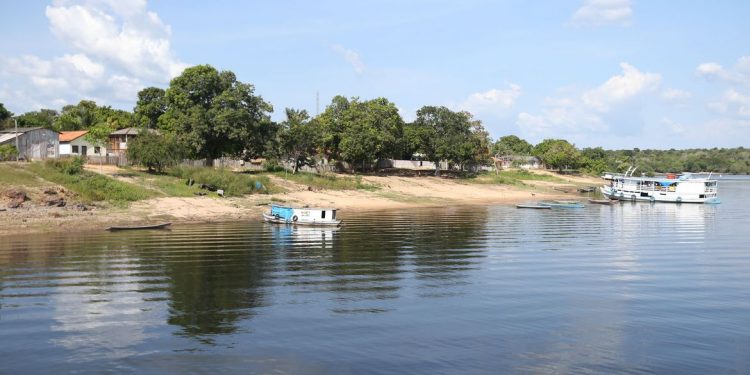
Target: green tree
<point>150,106</point>
<point>298,138</point>
<point>332,124</point>
<point>372,131</point>
<point>511,145</point>
<point>98,135</point>
<point>443,134</point>
<point>5,115</point>
<point>558,154</point>
<point>154,151</point>
<point>77,117</point>
<point>44,118</point>
<point>212,114</point>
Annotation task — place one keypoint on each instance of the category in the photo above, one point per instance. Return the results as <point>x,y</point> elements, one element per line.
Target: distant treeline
<point>206,113</point>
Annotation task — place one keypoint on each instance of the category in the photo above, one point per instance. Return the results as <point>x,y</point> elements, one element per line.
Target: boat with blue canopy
<point>301,216</point>
<point>684,188</point>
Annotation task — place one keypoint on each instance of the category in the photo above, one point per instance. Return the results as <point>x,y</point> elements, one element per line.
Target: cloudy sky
<point>616,73</point>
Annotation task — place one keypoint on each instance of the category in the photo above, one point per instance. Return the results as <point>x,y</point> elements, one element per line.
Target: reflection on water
<point>624,288</point>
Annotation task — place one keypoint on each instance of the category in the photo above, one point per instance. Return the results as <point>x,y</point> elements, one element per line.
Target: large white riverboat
<point>684,188</point>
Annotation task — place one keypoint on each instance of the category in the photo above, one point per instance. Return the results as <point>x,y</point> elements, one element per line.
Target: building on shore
<point>118,139</point>
<point>73,143</point>
<point>32,143</point>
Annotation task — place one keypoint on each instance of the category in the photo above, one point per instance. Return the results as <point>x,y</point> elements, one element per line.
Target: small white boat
<point>301,216</point>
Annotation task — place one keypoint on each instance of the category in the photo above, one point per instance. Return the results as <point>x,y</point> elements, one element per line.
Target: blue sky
<point>615,73</point>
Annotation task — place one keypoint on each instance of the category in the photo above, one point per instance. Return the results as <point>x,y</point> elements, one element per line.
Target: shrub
<point>71,166</point>
<point>154,151</point>
<point>233,183</point>
<point>8,152</point>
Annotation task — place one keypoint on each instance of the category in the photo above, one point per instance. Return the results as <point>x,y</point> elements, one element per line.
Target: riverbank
<point>382,193</point>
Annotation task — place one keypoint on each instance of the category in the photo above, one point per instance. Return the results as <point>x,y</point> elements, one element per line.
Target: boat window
<point>323,214</point>
<point>333,215</point>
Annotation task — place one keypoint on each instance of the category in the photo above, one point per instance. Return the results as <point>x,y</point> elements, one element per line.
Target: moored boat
<point>301,216</point>
<point>139,227</point>
<point>533,206</point>
<point>602,201</point>
<point>672,188</point>
<point>562,204</point>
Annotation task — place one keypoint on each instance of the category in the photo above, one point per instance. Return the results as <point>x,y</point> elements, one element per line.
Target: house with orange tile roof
<point>74,143</point>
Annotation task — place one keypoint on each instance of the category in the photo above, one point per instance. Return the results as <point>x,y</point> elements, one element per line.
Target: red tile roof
<point>69,136</point>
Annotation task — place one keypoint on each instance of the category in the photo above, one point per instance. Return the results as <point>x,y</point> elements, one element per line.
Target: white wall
<point>64,148</point>
<point>80,142</point>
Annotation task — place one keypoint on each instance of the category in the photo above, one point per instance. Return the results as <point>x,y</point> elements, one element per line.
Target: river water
<point>631,288</point>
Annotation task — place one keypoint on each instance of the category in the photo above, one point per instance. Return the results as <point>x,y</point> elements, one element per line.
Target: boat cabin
<point>304,215</point>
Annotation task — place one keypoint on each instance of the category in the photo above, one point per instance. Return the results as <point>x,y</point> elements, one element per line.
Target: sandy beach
<point>394,192</point>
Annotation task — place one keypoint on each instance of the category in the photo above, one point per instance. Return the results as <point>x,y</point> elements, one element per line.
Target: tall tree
<point>212,114</point>
<point>77,116</point>
<point>5,115</point>
<point>298,138</point>
<point>511,145</point>
<point>44,118</point>
<point>441,130</point>
<point>360,132</point>
<point>558,154</point>
<point>373,130</point>
<point>150,106</point>
<point>332,124</point>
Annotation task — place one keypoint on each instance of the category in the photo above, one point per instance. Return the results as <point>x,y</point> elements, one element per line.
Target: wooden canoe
<point>137,227</point>
<point>601,201</point>
<point>533,206</point>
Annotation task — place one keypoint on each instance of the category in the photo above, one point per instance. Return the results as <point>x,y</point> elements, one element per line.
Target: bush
<point>71,166</point>
<point>233,184</point>
<point>8,152</point>
<point>272,166</point>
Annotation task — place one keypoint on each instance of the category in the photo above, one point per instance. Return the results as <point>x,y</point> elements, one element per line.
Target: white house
<point>74,143</point>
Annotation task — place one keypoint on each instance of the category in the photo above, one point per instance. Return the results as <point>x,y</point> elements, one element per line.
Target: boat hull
<point>300,221</point>
<point>668,197</point>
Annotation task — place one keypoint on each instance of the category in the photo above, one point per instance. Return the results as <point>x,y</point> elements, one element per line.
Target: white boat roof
<point>307,208</point>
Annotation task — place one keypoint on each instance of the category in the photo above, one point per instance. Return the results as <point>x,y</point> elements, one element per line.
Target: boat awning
<point>285,213</point>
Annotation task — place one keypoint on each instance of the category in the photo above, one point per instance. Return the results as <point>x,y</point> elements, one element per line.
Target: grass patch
<point>329,182</point>
<point>90,186</point>
<point>233,184</point>
<point>170,186</point>
<point>514,177</point>
<point>521,174</point>
<point>15,175</point>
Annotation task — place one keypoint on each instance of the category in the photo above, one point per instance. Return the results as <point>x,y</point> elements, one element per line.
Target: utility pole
<point>18,151</point>
<point>317,103</point>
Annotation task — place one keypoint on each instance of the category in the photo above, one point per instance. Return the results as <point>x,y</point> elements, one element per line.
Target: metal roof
<point>71,135</point>
<point>20,130</point>
<point>4,137</point>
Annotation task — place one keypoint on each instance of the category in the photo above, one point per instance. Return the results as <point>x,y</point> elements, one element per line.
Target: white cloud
<point>622,87</point>
<point>675,95</point>
<point>739,74</point>
<point>351,57</point>
<point>732,103</point>
<point>128,37</point>
<point>603,12</point>
<point>118,47</point>
<point>493,101</point>
<point>675,128</point>
<point>594,110</point>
